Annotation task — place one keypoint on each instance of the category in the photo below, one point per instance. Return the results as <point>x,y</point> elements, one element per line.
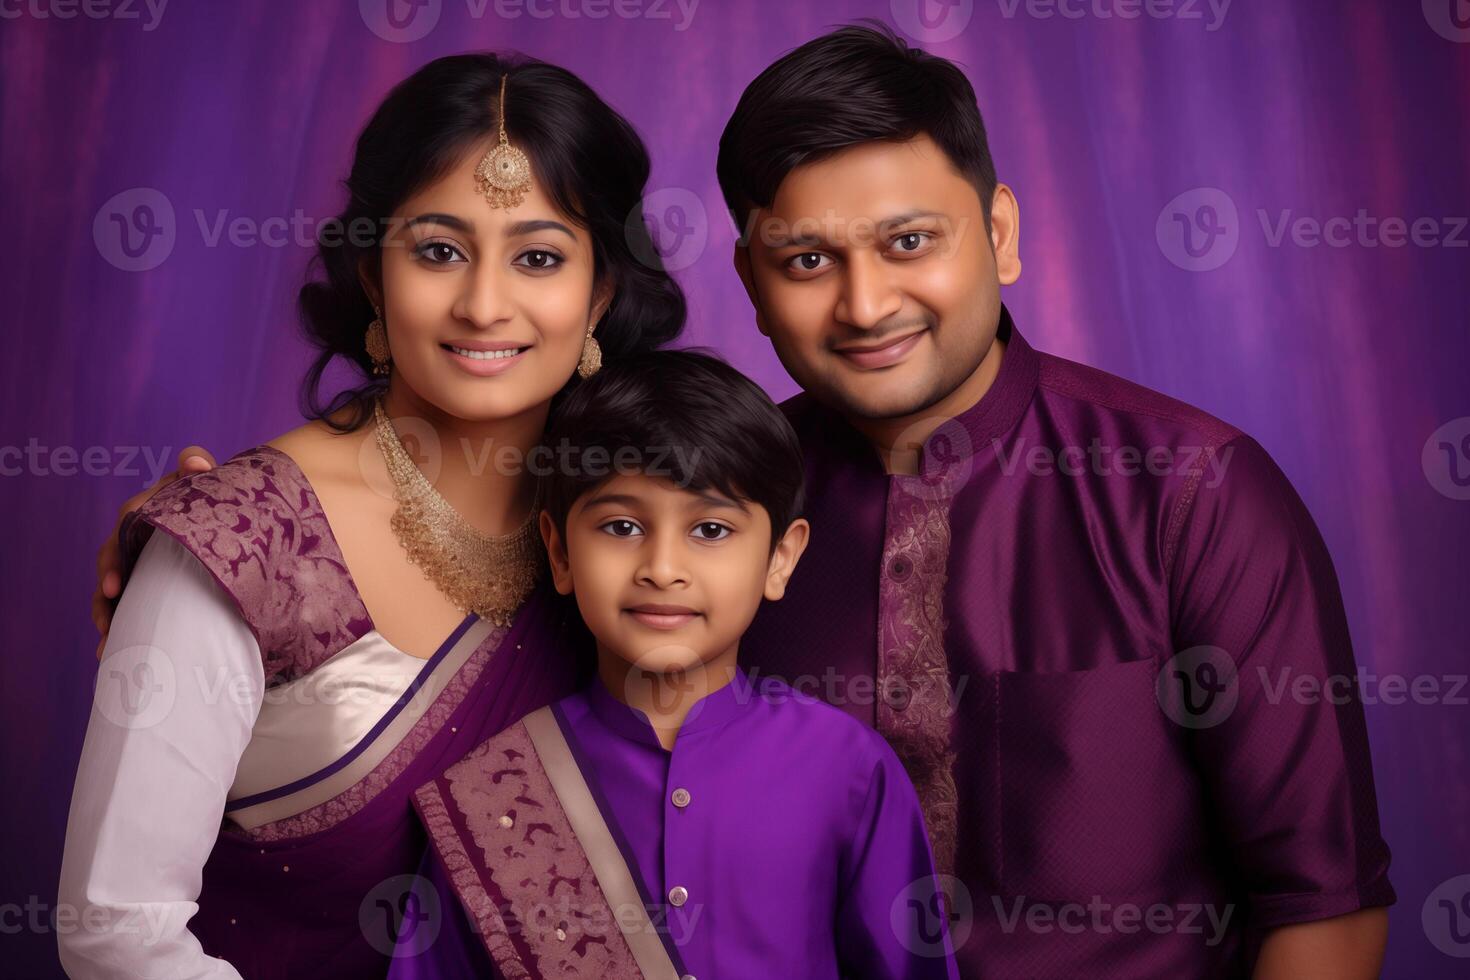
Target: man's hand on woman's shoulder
<point>192,459</point>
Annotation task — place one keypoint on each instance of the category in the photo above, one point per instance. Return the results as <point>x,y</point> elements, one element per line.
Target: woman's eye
<point>621,528</point>
<point>711,531</point>
<point>538,259</point>
<point>807,262</point>
<point>439,253</point>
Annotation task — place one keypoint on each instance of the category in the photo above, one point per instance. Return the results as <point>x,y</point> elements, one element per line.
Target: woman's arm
<point>178,690</point>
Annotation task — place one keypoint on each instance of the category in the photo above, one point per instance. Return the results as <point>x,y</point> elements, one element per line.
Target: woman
<point>319,628</point>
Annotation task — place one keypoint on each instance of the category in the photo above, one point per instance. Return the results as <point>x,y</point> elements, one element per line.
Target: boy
<point>670,820</point>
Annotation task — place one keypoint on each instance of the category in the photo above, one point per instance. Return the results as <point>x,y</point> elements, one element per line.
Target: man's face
<point>874,276</point>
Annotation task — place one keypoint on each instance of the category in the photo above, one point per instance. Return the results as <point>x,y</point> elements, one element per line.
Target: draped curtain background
<point>164,170</point>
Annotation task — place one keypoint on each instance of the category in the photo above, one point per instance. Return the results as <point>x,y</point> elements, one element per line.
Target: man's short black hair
<point>681,415</point>
<point>859,84</point>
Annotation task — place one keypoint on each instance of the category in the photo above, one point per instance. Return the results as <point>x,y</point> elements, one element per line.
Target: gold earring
<point>591,361</point>
<point>376,343</point>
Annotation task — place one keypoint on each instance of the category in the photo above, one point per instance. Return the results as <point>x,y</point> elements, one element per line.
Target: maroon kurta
<point>1082,628</point>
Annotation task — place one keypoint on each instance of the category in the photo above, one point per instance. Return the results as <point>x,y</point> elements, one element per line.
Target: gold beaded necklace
<point>489,575</point>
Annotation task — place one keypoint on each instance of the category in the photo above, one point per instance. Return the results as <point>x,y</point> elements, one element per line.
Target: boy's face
<point>668,578</point>
<point>873,275</point>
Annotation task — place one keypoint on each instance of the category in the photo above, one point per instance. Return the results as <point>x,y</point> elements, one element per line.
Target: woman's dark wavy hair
<point>586,156</point>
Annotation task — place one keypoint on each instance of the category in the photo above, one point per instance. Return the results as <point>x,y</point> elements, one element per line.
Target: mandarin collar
<point>709,712</point>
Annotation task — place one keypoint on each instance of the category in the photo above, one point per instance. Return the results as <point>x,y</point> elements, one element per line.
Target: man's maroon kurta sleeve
<point>1281,747</point>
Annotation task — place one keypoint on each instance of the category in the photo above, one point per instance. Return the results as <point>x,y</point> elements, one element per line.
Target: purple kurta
<point>1010,620</point>
<point>777,839</point>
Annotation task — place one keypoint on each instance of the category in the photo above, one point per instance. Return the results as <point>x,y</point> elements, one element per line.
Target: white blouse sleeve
<point>179,687</point>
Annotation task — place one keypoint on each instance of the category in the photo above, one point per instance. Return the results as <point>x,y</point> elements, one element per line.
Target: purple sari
<point>318,882</point>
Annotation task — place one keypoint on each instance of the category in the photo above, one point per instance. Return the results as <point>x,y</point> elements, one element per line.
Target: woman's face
<point>486,309</point>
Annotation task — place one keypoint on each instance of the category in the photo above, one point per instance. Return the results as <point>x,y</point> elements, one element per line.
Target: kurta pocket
<point>1090,774</point>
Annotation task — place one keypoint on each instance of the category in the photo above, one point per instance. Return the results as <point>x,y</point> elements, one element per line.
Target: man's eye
<point>711,531</point>
<point>621,528</point>
<point>807,262</point>
<point>913,241</point>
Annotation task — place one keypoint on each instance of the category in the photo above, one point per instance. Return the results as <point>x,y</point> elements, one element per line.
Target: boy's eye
<point>711,531</point>
<point>621,528</point>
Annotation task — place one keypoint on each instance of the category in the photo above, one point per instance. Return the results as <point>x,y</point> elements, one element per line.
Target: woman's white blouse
<point>178,690</point>
<point>181,726</point>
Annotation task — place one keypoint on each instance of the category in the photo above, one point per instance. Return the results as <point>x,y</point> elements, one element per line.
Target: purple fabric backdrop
<point>1120,123</point>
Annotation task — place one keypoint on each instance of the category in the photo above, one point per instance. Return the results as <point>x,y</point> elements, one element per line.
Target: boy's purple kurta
<point>777,838</point>
<point>1070,535</point>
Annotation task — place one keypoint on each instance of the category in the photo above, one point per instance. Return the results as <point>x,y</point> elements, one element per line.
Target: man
<point>1067,601</point>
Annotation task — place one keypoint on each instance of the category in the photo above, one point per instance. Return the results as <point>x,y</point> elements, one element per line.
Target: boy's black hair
<point>859,84</point>
<point>682,415</point>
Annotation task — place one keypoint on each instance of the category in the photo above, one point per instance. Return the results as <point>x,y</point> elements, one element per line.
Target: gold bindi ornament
<point>504,174</point>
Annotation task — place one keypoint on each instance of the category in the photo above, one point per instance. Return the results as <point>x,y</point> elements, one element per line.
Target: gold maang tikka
<point>504,174</point>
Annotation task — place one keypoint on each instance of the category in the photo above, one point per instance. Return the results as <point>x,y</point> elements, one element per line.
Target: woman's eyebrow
<point>513,230</point>
<point>538,224</point>
<point>439,218</point>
